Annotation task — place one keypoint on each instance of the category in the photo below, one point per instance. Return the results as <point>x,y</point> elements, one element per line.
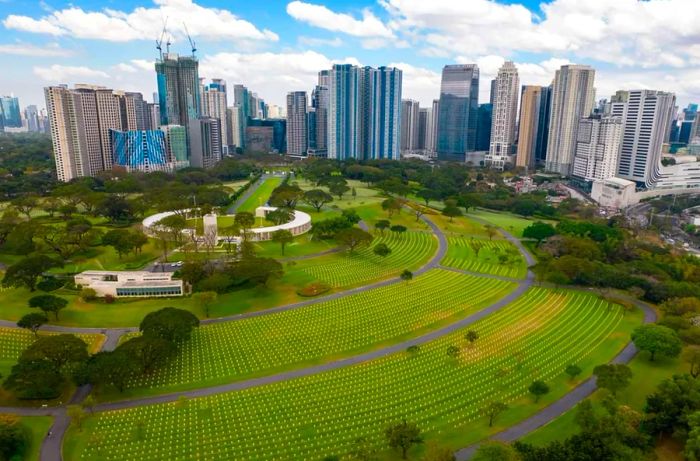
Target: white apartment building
<point>297,123</point>
<point>597,147</point>
<point>505,110</point>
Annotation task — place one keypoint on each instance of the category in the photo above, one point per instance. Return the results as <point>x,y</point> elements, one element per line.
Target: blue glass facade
<point>9,112</point>
<point>458,111</point>
<point>139,149</point>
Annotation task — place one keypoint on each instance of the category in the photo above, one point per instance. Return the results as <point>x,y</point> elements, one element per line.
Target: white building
<point>597,147</point>
<point>572,99</point>
<point>130,283</point>
<point>214,104</point>
<point>647,121</point>
<point>505,110</point>
<point>614,193</point>
<point>297,123</point>
<point>410,113</point>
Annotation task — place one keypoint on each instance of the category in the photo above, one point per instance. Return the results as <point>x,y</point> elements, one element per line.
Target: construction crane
<point>159,42</point>
<point>192,43</point>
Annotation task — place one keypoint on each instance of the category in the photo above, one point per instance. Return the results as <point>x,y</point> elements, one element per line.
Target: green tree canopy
<point>657,339</point>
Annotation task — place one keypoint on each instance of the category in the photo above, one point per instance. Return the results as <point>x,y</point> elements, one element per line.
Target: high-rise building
<point>648,117</point>
<point>297,123</point>
<point>320,102</point>
<point>572,99</point>
<point>534,125</point>
<point>214,101</point>
<point>598,140</point>
<point>311,130</point>
<point>176,145</point>
<point>458,109</point>
<point>178,89</point>
<point>431,141</point>
<point>133,111</point>
<point>140,150</point>
<point>381,113</point>
<point>267,136</point>
<point>67,133</point>
<point>10,116</point>
<point>504,115</point>
<point>324,78</point>
<point>241,99</point>
<point>343,112</point>
<point>423,117</point>
<point>31,115</point>
<point>410,112</point>
<point>152,116</point>
<point>204,135</point>
<point>236,121</point>
<point>484,123</point>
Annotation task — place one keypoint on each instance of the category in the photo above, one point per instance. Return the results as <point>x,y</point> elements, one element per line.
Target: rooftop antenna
<point>192,43</point>
<point>159,42</point>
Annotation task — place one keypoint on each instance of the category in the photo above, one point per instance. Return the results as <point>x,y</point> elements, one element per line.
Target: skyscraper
<point>410,111</point>
<point>214,103</point>
<point>484,122</point>
<point>297,123</point>
<point>204,135</point>
<point>178,89</point>
<point>10,116</point>
<point>648,117</point>
<point>235,120</point>
<point>423,118</point>
<point>324,78</point>
<point>505,111</point>
<point>140,150</point>
<point>343,112</point>
<point>241,98</point>
<point>456,127</point>
<point>31,115</point>
<point>132,111</point>
<point>534,125</point>
<point>597,147</point>
<point>320,102</point>
<point>431,141</point>
<point>572,99</point>
<point>380,113</point>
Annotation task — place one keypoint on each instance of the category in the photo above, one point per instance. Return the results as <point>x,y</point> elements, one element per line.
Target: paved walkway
<point>250,191</point>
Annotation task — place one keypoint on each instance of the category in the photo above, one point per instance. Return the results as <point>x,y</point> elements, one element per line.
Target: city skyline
<point>279,47</point>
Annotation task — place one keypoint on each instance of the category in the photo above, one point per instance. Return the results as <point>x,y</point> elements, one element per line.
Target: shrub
<point>109,299</point>
<point>88,294</point>
<point>50,284</point>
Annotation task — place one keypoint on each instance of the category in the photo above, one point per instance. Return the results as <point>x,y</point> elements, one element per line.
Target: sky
<point>276,46</point>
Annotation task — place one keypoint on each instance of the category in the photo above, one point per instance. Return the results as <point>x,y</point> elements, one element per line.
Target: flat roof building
<point>130,283</point>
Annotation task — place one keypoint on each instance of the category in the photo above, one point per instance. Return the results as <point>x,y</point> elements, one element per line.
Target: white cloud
<point>59,74</point>
<point>652,33</point>
<point>320,16</point>
<point>26,49</point>
<point>419,83</point>
<point>142,23</point>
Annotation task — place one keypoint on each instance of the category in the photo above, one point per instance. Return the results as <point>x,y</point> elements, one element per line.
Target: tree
<point>317,198</point>
<point>491,231</point>
<point>667,409</point>
<point>77,414</point>
<point>692,357</point>
<point>245,221</point>
<point>406,275</point>
<point>493,410</point>
<point>538,389</point>
<point>428,195</point>
<point>573,371</point>
<point>398,229</point>
<point>391,206</point>
<point>114,368</point>
<point>692,444</point>
<point>382,249</point>
<point>13,438</point>
<point>170,324</point>
<point>59,350</point>
<point>452,351</point>
<point>280,216</point>
<point>353,192</point>
<point>613,377</point>
<point>48,303</point>
<point>539,231</point>
<point>363,450</point>
<point>681,306</point>
<point>353,238</point>
<point>403,436</point>
<point>147,352</point>
<point>26,271</point>
<point>32,322</point>
<point>205,299</point>
<point>283,237</point>
<point>495,451</point>
<point>286,196</point>
<point>657,339</point>
<point>436,452</point>
<point>37,379</point>
<point>471,336</point>
<point>338,188</point>
<point>451,210</point>
<point>25,204</point>
<point>382,225</point>
<point>254,271</point>
<point>119,239</point>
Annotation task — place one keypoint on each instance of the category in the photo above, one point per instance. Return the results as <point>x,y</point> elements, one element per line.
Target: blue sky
<point>275,46</point>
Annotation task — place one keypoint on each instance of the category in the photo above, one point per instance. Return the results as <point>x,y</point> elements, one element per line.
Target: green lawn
<point>508,221</point>
<point>319,415</point>
<point>38,427</point>
<point>261,195</point>
<point>262,345</point>
<point>498,257</point>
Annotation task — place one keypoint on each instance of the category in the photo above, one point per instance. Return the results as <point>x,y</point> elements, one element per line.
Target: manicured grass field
<point>261,195</point>
<point>235,350</point>
<point>508,221</point>
<point>38,427</point>
<point>311,417</point>
<point>479,255</point>
<point>408,251</point>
